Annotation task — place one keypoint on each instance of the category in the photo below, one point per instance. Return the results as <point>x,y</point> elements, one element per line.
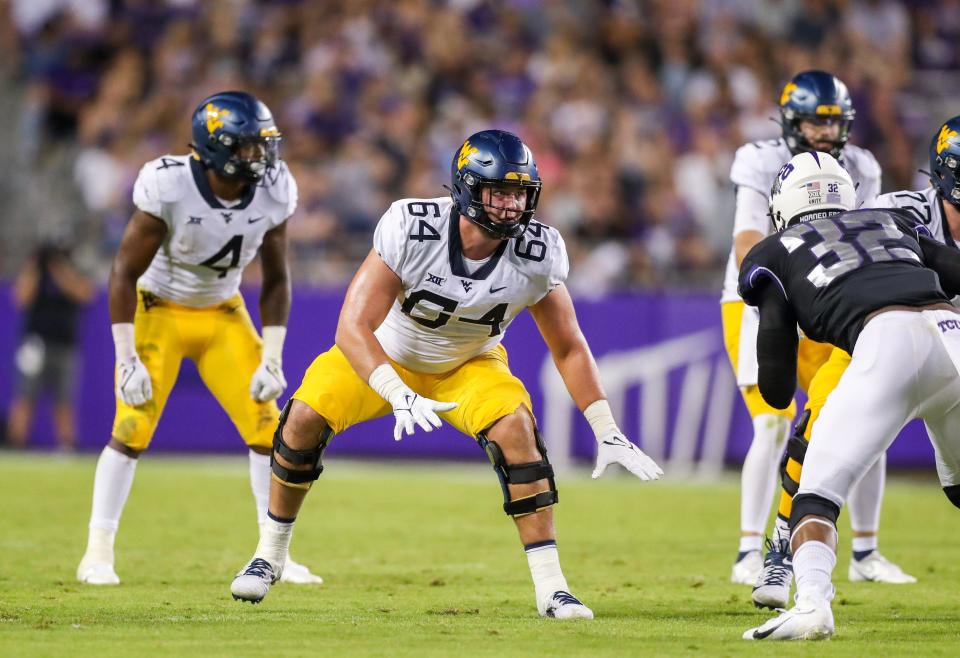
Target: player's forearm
<point>275,300</point>
<point>122,294</point>
<point>580,375</point>
<point>743,242</point>
<point>361,348</point>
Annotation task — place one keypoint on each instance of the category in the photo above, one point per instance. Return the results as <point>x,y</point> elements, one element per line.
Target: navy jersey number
<point>231,249</point>
<point>444,311</point>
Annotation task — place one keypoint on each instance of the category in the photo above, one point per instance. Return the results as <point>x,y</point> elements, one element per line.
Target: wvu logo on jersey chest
<point>466,285</point>
<point>227,217</point>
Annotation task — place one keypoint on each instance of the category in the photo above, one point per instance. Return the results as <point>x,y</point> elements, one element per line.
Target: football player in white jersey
<point>174,294</point>
<point>420,335</point>
<point>816,115</point>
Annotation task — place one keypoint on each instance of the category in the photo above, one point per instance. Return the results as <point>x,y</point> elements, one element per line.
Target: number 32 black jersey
<point>835,271</point>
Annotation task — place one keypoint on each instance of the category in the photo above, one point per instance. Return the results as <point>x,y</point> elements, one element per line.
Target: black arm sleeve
<point>776,348</point>
<point>945,261</point>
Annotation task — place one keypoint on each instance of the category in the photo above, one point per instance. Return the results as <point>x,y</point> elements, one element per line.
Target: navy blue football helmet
<point>945,161</point>
<point>494,158</point>
<point>815,96</point>
<point>229,128</point>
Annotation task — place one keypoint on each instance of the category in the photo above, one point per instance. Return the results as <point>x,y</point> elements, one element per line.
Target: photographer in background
<point>50,292</point>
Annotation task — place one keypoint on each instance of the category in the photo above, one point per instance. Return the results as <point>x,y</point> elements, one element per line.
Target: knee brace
<point>313,457</point>
<point>806,504</point>
<point>953,494</point>
<point>522,474</point>
<point>796,450</point>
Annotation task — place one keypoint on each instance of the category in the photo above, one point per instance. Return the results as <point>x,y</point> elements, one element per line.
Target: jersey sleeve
<point>870,174</point>
<point>390,238</point>
<point>284,191</point>
<point>146,191</point>
<point>759,270</point>
<point>747,170</point>
<point>559,263</point>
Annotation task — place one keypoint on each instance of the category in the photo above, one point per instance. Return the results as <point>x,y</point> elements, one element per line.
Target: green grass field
<point>421,561</point>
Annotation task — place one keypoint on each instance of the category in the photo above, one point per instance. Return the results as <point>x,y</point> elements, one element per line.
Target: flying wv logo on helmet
<point>945,161</point>
<point>235,135</point>
<point>497,159</point>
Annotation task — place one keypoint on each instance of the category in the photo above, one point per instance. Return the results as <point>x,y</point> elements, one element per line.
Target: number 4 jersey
<point>209,241</point>
<point>835,271</point>
<point>451,308</point>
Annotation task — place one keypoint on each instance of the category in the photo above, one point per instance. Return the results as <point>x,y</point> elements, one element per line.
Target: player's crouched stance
<point>873,283</point>
<point>419,334</point>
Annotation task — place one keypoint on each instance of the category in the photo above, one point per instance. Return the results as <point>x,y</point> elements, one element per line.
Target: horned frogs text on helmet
<point>815,96</point>
<point>228,123</point>
<point>945,161</point>
<point>494,158</point>
<point>810,186</point>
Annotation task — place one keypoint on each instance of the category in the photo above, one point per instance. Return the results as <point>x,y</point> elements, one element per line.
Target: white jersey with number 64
<point>452,309</point>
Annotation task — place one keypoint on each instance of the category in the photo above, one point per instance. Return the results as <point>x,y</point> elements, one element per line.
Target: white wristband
<point>273,337</point>
<point>123,342</point>
<point>387,383</point>
<point>600,417</point>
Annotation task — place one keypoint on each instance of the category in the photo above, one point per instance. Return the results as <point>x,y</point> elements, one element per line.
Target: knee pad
<point>522,474</point>
<point>953,494</point>
<point>806,504</point>
<point>797,451</point>
<point>313,457</point>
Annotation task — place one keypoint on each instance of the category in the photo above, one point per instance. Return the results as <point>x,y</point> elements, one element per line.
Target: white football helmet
<point>812,185</point>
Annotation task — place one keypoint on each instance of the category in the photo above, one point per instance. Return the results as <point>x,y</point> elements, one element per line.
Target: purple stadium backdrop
<point>661,356</point>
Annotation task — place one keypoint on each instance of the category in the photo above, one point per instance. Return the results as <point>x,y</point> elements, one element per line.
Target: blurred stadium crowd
<point>633,108</point>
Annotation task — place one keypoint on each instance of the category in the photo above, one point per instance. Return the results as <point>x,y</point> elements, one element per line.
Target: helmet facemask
<point>478,212</point>
<point>798,142</point>
<point>251,157</point>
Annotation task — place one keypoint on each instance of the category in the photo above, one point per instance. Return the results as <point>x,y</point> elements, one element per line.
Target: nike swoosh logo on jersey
<point>492,289</point>
<point>253,220</point>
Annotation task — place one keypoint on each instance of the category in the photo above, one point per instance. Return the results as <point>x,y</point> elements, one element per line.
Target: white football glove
<point>268,381</point>
<point>133,382</point>
<point>614,447</point>
<point>411,409</point>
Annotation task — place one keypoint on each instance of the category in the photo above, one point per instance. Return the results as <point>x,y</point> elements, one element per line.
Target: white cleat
<point>564,605</point>
<point>94,572</point>
<point>253,581</point>
<point>875,568</point>
<point>298,574</point>
<point>747,570</point>
<point>804,621</point>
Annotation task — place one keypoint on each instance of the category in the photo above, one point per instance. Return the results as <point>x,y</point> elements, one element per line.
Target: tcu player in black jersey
<point>863,281</point>
<point>420,335</point>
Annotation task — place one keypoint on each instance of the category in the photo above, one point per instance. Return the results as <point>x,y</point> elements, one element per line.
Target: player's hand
<point>615,448</point>
<point>411,409</point>
<point>133,383</point>
<point>268,381</point>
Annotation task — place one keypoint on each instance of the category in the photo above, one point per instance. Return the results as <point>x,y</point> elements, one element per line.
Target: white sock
<point>781,531</point>
<point>813,565</point>
<point>111,487</point>
<point>864,544</point>
<point>866,498</point>
<point>274,543</point>
<point>758,480</point>
<point>544,561</point>
<point>750,543</point>
<point>260,484</point>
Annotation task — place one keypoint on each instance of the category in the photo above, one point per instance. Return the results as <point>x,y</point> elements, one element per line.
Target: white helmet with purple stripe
<point>812,185</point>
